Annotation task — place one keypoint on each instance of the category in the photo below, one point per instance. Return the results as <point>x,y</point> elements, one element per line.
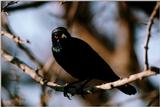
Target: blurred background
<point>115,30</point>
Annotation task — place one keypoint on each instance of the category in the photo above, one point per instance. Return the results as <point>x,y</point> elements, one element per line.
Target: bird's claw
<point>65,93</point>
<point>66,90</point>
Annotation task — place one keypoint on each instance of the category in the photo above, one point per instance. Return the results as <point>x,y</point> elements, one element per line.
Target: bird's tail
<point>127,89</point>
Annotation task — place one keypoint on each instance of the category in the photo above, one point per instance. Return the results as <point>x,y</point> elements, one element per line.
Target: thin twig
<point>32,73</point>
<point>21,45</point>
<point>6,4</point>
<point>149,25</point>
<point>16,39</point>
<point>25,6</point>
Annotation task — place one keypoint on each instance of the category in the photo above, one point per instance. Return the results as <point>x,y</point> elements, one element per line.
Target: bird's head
<point>58,36</point>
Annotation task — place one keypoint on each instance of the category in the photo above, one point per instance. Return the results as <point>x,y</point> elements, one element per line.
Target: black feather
<point>81,61</point>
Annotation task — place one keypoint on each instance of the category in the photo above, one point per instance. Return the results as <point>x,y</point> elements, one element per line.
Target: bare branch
<point>33,4</point>
<point>149,25</point>
<point>6,4</point>
<point>131,78</point>
<point>28,70</point>
<point>32,73</point>
<point>16,39</point>
<point>21,44</point>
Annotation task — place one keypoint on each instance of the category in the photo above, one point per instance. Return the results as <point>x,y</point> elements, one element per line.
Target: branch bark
<point>149,25</point>
<point>29,71</point>
<point>34,4</point>
<point>34,75</point>
<point>131,78</point>
<point>16,39</point>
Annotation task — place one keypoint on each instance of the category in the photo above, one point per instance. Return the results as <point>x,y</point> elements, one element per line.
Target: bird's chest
<point>65,56</point>
<point>70,59</point>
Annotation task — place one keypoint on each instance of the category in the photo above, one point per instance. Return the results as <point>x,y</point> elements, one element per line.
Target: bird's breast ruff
<point>57,46</point>
<point>56,49</point>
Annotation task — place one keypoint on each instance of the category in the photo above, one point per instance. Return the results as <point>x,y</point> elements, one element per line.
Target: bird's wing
<point>86,62</point>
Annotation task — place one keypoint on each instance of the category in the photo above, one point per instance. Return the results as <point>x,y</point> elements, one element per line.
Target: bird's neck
<point>57,47</point>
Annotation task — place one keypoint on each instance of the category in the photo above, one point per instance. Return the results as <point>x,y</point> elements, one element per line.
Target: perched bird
<point>78,59</point>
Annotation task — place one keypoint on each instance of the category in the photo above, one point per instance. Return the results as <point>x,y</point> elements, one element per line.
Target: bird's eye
<point>56,36</point>
<point>63,36</point>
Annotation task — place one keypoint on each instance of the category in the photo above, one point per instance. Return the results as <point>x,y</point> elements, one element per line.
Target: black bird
<point>81,61</point>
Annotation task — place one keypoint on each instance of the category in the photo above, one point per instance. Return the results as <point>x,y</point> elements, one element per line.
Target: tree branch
<point>149,25</point>
<point>33,74</point>
<point>131,78</point>
<point>21,44</point>
<point>6,4</point>
<point>24,6</point>
<point>16,39</point>
<point>28,70</point>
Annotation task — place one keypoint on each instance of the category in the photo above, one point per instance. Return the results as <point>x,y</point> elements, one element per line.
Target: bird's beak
<point>64,36</point>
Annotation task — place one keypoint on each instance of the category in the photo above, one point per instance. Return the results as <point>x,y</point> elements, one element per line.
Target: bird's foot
<point>66,91</point>
<point>73,89</point>
<point>81,89</point>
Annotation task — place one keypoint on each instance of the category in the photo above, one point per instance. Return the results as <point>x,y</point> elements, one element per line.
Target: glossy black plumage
<point>81,61</point>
